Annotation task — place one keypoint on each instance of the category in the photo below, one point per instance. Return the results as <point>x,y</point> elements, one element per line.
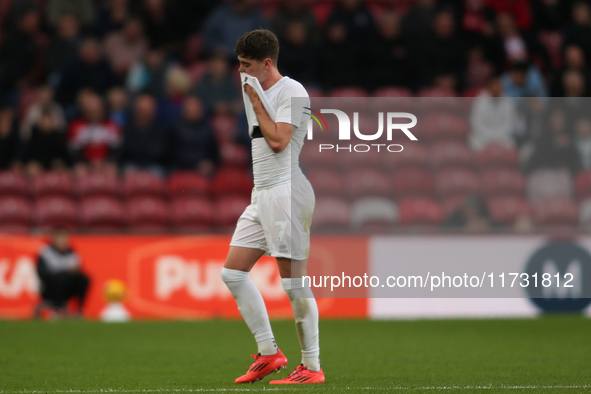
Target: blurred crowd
<point>121,85</point>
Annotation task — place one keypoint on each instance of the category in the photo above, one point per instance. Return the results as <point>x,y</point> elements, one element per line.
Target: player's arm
<point>277,134</point>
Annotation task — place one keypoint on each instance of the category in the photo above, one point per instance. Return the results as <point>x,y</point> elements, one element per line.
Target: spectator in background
<point>554,148</point>
<point>111,16</point>
<point>518,9</point>
<point>493,117</point>
<point>388,56</point>
<point>217,89</point>
<point>478,69</point>
<point>82,10</point>
<point>47,148</point>
<point>549,15</point>
<point>178,84</point>
<point>192,140</point>
<point>297,54</point>
<point>418,21</point>
<point>89,70</point>
<point>126,46</point>
<point>10,145</point>
<point>144,140</point>
<point>579,31</point>
<point>148,74</point>
<point>354,15</point>
<point>583,141</point>
<point>472,216</point>
<point>63,46</point>
<point>117,102</point>
<point>44,103</point>
<point>160,25</point>
<point>574,60</point>
<point>94,141</point>
<point>573,84</point>
<point>295,11</point>
<point>339,49</point>
<point>228,22</point>
<point>60,274</point>
<point>524,80</point>
<point>443,54</point>
<point>21,54</point>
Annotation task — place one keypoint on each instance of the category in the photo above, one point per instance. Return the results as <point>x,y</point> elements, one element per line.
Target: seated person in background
<point>47,148</point>
<point>217,89</point>
<point>93,140</point>
<point>44,102</point>
<point>192,140</point>
<point>58,267</point>
<point>472,216</point>
<point>10,143</point>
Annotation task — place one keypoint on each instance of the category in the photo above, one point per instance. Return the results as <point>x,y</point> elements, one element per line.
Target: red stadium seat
<point>13,183</point>
<point>436,92</point>
<point>347,160</point>
<point>53,183</point>
<point>57,211</point>
<point>331,212</point>
<point>502,181</point>
<point>506,209</point>
<point>311,157</point>
<point>326,182</point>
<point>366,182</point>
<point>228,209</point>
<point>444,126</point>
<point>192,213</point>
<point>583,185</point>
<point>496,155</point>
<point>234,155</point>
<point>143,183</point>
<point>102,213</point>
<point>15,211</point>
<point>420,211</point>
<point>412,182</point>
<point>457,182</point>
<point>555,212</point>
<point>314,92</point>
<point>413,155</point>
<point>99,184</point>
<point>148,213</point>
<point>188,183</point>
<point>348,91</point>
<point>450,153</point>
<point>232,181</point>
<point>392,91</point>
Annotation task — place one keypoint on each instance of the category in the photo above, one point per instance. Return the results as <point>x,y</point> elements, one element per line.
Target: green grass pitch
<point>545,355</point>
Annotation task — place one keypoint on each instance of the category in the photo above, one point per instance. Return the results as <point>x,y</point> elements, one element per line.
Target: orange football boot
<point>263,366</point>
<point>301,375</point>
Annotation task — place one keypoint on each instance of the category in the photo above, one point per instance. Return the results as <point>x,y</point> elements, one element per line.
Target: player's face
<point>253,68</point>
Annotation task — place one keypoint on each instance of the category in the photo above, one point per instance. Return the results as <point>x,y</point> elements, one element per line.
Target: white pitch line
<point>299,387</point>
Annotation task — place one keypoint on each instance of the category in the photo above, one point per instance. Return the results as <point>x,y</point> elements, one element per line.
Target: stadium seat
<point>420,211</point>
<point>331,213</point>
<point>228,209</point>
<point>456,182</point>
<point>311,157</point>
<point>506,209</point>
<point>451,205</point>
<point>53,183</point>
<point>496,155</point>
<point>13,183</point>
<point>502,181</point>
<point>314,92</point>
<point>373,213</point>
<point>148,213</point>
<point>392,91</point>
<point>442,125</point>
<point>583,185</point>
<point>366,182</point>
<point>99,183</point>
<point>555,212</point>
<point>348,91</point>
<point>15,212</point>
<point>413,155</point>
<point>326,181</point>
<point>56,211</point>
<point>102,213</point>
<point>412,182</point>
<point>347,161</point>
<point>450,153</point>
<point>188,183</point>
<point>192,213</point>
<point>549,184</point>
<point>143,183</point>
<point>234,155</point>
<point>436,93</point>
<point>232,181</point>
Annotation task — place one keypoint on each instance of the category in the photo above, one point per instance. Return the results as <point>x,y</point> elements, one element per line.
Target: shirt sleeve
<point>285,112</point>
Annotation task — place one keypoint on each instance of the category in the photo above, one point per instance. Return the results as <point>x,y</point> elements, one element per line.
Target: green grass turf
<point>358,356</point>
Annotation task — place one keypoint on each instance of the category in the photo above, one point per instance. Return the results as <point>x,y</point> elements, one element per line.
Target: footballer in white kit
<point>277,222</point>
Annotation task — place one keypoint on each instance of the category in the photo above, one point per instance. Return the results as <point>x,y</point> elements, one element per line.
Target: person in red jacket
<point>94,140</point>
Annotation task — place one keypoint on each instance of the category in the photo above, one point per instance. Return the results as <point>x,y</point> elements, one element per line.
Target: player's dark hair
<point>258,45</point>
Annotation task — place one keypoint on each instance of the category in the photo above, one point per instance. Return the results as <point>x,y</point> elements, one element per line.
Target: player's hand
<point>252,94</point>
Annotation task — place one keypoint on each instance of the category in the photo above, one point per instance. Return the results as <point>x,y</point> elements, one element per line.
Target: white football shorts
<point>278,220</point>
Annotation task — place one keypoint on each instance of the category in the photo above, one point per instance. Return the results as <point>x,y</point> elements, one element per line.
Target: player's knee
<point>230,275</point>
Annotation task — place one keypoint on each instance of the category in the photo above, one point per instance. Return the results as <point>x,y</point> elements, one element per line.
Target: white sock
<point>252,307</point>
<point>305,312</point>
